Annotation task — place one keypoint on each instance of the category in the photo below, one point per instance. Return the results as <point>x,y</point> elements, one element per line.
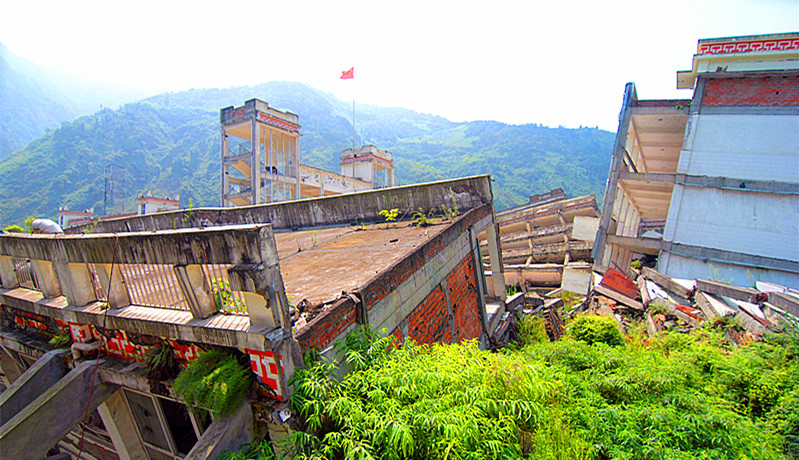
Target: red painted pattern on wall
<point>753,91</point>
<point>749,46</point>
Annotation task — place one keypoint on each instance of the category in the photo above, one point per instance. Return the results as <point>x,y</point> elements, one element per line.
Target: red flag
<point>348,74</point>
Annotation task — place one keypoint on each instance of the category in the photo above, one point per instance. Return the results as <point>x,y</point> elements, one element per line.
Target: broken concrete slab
<point>666,282</point>
<point>727,290</point>
<point>619,282</point>
<point>621,298</point>
<point>785,301</point>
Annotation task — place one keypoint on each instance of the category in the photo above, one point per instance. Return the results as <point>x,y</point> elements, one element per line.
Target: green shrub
<point>596,329</point>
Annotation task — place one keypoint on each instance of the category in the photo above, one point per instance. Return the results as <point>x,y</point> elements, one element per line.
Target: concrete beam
<point>9,367</point>
<point>224,434</point>
<point>7,273</point>
<point>469,193</point>
<point>44,373</point>
<point>119,422</point>
<point>726,183</point>
<point>215,245</point>
<point>46,420</point>
<point>642,245</point>
<point>731,257</point>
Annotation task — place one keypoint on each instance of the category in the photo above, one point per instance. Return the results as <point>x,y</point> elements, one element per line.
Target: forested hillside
<point>170,144</point>
<point>29,103</point>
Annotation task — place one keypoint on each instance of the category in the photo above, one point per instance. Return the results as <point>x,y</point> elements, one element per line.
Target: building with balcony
<point>261,160</point>
<point>721,169</point>
<point>189,281</point>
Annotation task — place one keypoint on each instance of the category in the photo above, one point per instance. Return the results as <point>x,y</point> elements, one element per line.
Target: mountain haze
<point>169,144</point>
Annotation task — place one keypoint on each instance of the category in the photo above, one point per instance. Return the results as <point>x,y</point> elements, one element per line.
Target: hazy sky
<point>555,63</point>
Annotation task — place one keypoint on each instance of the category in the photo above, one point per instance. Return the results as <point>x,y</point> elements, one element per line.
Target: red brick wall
<point>429,321</point>
<point>464,297</point>
<point>752,91</point>
<point>320,332</point>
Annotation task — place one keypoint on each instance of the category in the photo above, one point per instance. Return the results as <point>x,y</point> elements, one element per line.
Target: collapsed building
<point>719,172</point>
<point>542,237</point>
<point>269,281</point>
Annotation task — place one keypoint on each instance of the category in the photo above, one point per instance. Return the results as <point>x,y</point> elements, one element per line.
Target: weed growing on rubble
<point>677,396</point>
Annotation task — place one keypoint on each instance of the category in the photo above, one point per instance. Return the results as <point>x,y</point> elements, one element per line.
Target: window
<point>168,428</point>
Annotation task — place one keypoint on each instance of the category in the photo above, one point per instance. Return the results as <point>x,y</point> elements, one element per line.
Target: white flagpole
<point>353,110</point>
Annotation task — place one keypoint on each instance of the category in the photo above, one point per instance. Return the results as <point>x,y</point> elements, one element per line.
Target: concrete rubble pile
<point>665,303</point>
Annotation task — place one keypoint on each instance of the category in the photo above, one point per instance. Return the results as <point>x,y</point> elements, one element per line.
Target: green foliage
<point>420,219</point>
<point>636,264</point>
<point>391,215</point>
<point>223,295</point>
<point>161,363</point>
<point>532,330</point>
<point>27,224</point>
<point>676,396</point>
<point>596,329</point>
<point>261,450</point>
<point>62,340</point>
<point>216,380</point>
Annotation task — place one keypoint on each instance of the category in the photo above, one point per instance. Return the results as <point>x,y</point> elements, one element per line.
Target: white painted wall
<point>757,147</point>
<point>740,146</point>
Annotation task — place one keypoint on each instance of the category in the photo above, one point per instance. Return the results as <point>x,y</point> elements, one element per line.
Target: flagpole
<point>353,118</point>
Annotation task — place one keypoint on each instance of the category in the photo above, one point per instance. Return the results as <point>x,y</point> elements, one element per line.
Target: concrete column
<point>44,373</point>
<point>117,293</point>
<point>46,420</point>
<point>225,168</point>
<point>47,278</point>
<point>7,272</point>
<point>495,259</point>
<point>195,290</point>
<point>255,170</point>
<point>76,283</point>
<point>121,426</point>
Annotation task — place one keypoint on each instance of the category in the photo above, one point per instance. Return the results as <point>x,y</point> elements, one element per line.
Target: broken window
<point>168,428</point>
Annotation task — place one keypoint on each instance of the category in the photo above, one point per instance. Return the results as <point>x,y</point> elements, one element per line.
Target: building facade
<point>261,160</point>
<point>721,168</point>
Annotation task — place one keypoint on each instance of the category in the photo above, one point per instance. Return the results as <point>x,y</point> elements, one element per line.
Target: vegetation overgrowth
<point>216,380</point>
<point>675,396</point>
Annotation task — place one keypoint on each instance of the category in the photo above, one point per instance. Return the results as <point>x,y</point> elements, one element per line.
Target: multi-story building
<point>261,160</point>
<point>722,168</point>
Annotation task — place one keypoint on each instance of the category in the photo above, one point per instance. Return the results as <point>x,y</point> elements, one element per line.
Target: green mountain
<point>170,144</point>
<point>29,102</point>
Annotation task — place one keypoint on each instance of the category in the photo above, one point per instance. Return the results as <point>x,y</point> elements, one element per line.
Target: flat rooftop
<point>318,264</point>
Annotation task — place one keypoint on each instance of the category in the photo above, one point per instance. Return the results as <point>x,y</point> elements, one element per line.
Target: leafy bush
<point>596,329</point>
<point>676,396</point>
<point>216,380</point>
